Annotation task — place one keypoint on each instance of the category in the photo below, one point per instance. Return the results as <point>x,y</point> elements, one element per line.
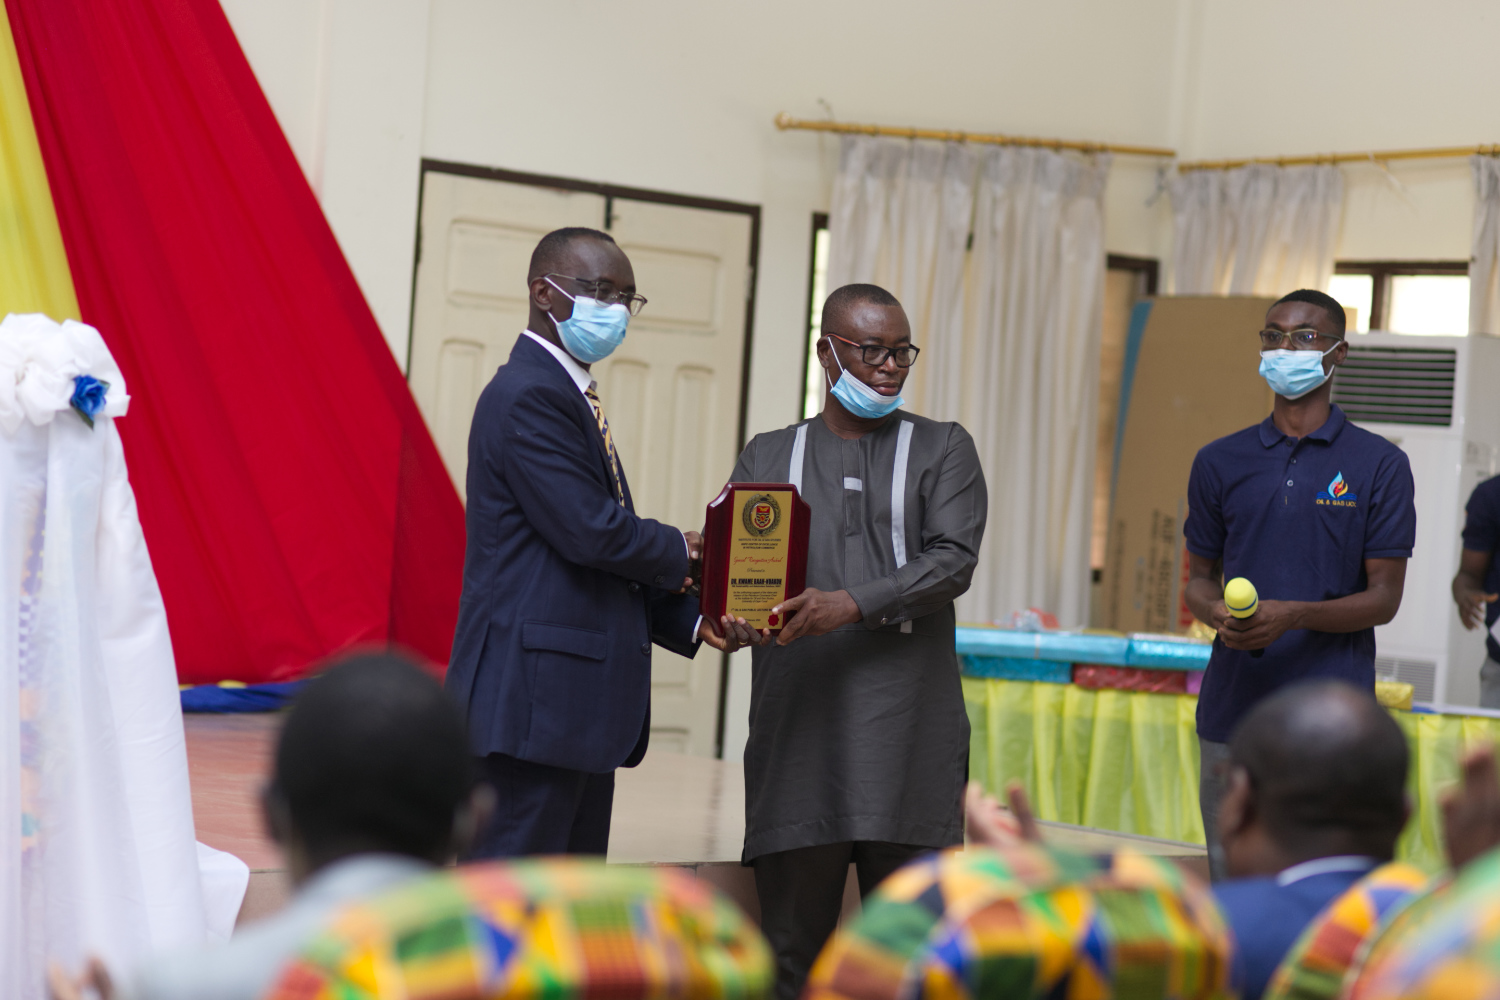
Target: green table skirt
<point>1128,761</point>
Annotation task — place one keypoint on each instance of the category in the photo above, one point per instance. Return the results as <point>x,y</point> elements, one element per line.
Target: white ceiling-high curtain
<point>1484,262</point>
<point>1009,334</point>
<point>1255,230</point>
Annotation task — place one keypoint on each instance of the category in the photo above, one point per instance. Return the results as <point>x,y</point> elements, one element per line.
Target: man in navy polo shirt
<point>1478,581</point>
<point>1317,513</point>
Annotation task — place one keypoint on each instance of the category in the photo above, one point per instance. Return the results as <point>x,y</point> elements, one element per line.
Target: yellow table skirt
<point>1128,761</point>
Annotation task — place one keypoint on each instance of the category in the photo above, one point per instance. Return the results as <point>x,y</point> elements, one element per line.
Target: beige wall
<point>678,95</point>
<point>1283,77</point>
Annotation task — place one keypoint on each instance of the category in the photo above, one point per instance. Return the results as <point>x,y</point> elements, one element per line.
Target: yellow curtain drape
<point>1128,761</point>
<point>34,273</point>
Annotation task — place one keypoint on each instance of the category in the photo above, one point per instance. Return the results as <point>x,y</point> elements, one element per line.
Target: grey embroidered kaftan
<point>861,734</point>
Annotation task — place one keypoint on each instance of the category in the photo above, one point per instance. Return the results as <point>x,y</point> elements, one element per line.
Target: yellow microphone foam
<point>1240,597</point>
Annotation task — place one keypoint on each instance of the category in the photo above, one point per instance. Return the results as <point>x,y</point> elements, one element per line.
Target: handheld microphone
<point>1242,600</point>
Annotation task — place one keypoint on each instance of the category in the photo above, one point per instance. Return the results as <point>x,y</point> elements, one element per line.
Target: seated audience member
<point>373,786</point>
<point>534,928</point>
<point>1024,920</point>
<point>1314,801</point>
<point>1446,943</point>
<point>1363,939</point>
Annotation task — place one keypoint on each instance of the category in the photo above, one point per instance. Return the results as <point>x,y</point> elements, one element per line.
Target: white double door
<point>671,391</point>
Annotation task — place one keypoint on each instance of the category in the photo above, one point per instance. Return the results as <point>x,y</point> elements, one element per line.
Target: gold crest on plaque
<point>761,514</point>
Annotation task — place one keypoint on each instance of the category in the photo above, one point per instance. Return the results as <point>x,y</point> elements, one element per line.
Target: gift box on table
<point>1098,675</point>
<point>1011,668</point>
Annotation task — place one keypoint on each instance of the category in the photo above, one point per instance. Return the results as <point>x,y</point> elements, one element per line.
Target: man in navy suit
<point>1315,800</point>
<point>565,588</point>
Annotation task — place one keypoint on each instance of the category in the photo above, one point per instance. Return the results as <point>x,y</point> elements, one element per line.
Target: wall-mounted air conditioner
<point>1438,398</point>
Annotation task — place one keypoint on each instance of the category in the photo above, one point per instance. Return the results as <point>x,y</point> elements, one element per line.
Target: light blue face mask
<point>858,398</point>
<point>1294,374</point>
<point>594,330</point>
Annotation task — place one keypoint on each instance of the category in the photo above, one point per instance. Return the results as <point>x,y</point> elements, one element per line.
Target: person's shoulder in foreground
<point>1022,920</point>
<point>536,927</point>
<point>1315,800</point>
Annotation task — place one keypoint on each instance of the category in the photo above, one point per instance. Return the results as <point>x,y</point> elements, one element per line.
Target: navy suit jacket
<point>1267,919</point>
<point>564,589</point>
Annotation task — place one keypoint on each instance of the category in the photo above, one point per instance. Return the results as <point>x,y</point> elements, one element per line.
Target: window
<point>1127,280</point>
<point>1428,297</point>
<point>817,291</point>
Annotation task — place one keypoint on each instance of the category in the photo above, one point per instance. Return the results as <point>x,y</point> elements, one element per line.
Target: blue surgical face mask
<point>858,398</point>
<point>594,330</point>
<point>1294,374</point>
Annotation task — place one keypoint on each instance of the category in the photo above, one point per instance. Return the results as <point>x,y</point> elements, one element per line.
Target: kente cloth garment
<point>555,928</point>
<point>861,734</point>
<point>1318,963</point>
<point>1444,945</point>
<point>1030,921</point>
<point>97,849</point>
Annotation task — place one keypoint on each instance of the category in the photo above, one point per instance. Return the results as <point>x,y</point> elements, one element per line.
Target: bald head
<point>557,252</point>
<point>1327,767</point>
<point>847,298</point>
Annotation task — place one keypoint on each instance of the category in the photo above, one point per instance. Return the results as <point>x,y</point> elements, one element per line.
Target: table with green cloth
<point>1128,761</point>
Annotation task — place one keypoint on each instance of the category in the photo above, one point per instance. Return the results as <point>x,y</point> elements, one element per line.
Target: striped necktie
<point>609,442</point>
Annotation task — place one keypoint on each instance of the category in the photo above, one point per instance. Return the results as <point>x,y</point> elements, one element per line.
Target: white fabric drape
<point>97,853</point>
<point>1009,333</point>
<point>1255,230</point>
<point>1484,261</point>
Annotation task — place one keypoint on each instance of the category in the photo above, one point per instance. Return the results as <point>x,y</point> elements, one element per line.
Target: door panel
<point>672,390</point>
<point>681,403</point>
<point>471,299</point>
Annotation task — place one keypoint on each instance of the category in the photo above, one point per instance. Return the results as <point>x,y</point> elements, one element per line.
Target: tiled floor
<point>229,759</point>
<point>672,809</point>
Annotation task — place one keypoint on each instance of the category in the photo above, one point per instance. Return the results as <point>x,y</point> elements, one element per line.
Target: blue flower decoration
<point>88,397</point>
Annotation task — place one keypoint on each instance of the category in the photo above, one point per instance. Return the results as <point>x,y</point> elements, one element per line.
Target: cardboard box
<point>1191,376</point>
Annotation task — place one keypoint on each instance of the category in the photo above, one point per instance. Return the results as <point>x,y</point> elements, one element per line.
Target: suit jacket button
<point>661,579</point>
<point>635,588</point>
<point>645,649</point>
<point>884,620</point>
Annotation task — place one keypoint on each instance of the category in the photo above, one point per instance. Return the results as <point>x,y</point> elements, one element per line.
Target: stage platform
<point>671,810</point>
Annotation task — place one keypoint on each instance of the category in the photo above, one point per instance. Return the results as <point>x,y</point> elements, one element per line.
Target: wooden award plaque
<point>754,553</point>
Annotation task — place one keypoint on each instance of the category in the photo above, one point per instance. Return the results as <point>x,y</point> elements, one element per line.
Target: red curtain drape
<point>291,495</point>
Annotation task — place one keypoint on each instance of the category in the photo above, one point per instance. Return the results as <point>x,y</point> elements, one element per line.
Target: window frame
<point>819,223</point>
<point>1382,271</point>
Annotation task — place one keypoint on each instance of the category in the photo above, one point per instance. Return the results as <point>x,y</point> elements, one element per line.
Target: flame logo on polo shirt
<point>1337,494</point>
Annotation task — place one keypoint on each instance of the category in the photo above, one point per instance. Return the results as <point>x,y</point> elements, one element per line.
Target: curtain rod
<point>1377,156</point>
<point>785,121</point>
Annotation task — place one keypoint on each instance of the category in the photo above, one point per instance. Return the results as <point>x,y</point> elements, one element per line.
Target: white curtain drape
<point>1484,261</point>
<point>1256,230</point>
<point>1009,332</point>
<point>97,852</point>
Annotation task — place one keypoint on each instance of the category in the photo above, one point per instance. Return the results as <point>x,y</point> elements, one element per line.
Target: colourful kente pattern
<point>1445,944</point>
<point>1316,966</point>
<point>545,928</point>
<point>1030,922</point>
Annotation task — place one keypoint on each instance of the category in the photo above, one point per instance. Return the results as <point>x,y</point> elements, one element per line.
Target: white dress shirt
<point>1323,866</point>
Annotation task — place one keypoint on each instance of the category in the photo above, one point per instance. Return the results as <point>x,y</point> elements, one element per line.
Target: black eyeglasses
<point>1300,340</point>
<point>607,293</point>
<point>874,355</point>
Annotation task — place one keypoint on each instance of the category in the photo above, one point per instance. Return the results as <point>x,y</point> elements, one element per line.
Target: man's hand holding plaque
<point>815,612</point>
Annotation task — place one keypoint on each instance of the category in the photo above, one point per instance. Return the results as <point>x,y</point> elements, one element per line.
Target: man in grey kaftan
<point>858,748</point>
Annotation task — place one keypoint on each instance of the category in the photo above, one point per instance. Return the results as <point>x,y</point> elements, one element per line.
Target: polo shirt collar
<point>1270,436</point>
